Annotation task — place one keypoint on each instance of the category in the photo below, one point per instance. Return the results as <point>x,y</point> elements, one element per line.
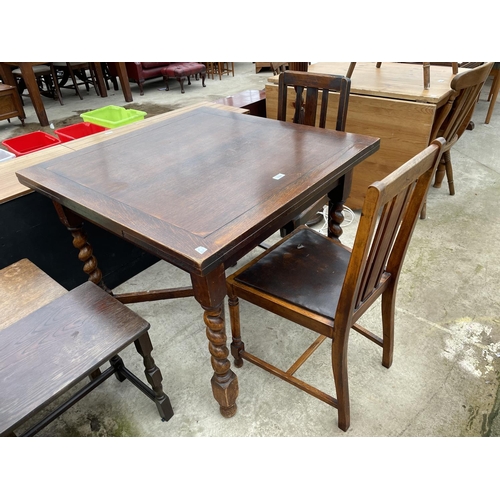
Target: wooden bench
<point>51,339</point>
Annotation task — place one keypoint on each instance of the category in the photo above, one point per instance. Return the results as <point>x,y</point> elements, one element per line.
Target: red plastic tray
<point>27,143</point>
<point>78,130</point>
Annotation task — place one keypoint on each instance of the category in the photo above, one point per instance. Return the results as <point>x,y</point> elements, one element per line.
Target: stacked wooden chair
<point>453,118</point>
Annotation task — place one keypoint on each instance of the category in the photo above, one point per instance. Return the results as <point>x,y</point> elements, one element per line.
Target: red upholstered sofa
<point>139,72</point>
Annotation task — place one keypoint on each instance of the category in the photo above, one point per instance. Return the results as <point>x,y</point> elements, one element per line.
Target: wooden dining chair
<point>51,339</point>
<point>454,116</point>
<point>312,92</point>
<point>326,287</point>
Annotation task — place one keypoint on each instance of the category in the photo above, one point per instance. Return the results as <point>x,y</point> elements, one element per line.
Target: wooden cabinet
<point>10,103</point>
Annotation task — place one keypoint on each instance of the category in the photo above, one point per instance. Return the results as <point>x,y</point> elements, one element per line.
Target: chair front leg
<point>339,365</point>
<point>388,305</point>
<point>234,312</point>
<point>423,211</point>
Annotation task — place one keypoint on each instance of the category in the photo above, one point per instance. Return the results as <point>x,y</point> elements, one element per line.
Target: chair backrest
<point>452,119</point>
<point>390,212</point>
<point>312,83</point>
<point>278,67</point>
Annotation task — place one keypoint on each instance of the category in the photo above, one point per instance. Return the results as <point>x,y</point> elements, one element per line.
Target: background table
<point>200,190</point>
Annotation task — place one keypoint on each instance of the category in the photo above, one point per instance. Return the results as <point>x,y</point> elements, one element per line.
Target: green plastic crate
<point>113,116</point>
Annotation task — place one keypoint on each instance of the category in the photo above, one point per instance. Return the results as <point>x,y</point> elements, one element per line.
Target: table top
<point>392,80</point>
<point>197,188</point>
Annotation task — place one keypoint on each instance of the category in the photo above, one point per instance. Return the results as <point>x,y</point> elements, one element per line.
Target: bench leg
<point>117,363</point>
<point>154,377</point>
<point>95,374</point>
<point>165,79</point>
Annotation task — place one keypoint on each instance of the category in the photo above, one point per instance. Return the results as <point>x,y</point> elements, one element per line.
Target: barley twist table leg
<point>224,381</point>
<point>210,292</point>
<point>335,219</point>
<point>74,224</point>
<point>85,254</point>
<point>336,199</point>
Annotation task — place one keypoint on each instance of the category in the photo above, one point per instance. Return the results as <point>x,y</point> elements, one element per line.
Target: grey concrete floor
<point>445,377</point>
